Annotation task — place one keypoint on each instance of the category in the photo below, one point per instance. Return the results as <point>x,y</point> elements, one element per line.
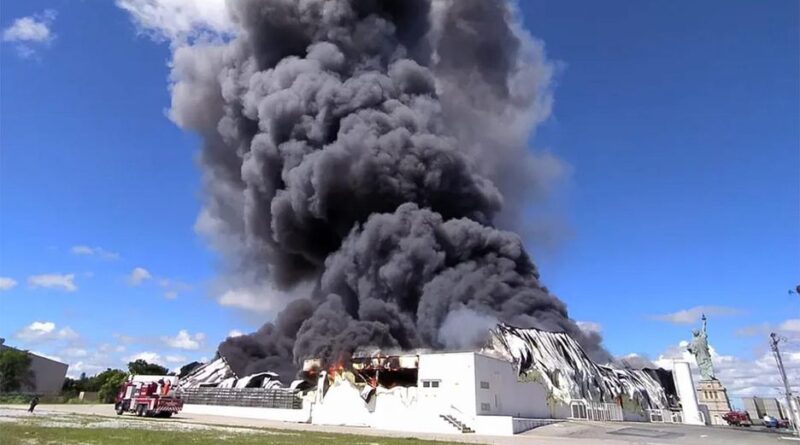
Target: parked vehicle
<point>771,422</point>
<point>152,396</point>
<point>737,418</point>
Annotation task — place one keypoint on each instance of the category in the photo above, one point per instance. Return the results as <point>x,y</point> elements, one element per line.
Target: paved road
<point>565,433</point>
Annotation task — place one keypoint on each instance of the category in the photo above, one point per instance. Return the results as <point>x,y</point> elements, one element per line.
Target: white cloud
<point>590,327</point>
<point>743,376</point>
<point>791,325</point>
<point>90,368</point>
<point>94,251</point>
<point>245,299</point>
<point>179,20</point>
<point>75,352</point>
<point>235,333</point>
<point>51,357</point>
<point>173,287</point>
<point>185,340</point>
<point>29,33</point>
<point>41,331</point>
<point>7,283</point>
<point>64,282</point>
<point>106,348</point>
<point>138,276</point>
<point>127,339</point>
<point>262,297</point>
<point>634,360</point>
<point>753,330</point>
<point>692,315</point>
<point>34,28</point>
<point>91,360</point>
<point>787,328</point>
<point>175,359</point>
<point>149,357</point>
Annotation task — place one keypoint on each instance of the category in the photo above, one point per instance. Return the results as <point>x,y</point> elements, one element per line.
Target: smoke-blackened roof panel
<point>556,360</point>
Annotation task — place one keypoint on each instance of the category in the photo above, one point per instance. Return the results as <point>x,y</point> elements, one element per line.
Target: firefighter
<point>34,402</point>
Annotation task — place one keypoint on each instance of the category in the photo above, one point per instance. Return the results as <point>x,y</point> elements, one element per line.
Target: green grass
<point>30,434</point>
<point>25,399</point>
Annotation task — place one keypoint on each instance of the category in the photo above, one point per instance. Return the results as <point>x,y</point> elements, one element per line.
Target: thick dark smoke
<point>371,147</point>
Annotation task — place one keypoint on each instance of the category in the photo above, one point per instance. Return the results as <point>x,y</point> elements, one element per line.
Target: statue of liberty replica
<point>699,348</point>
<point>711,395</point>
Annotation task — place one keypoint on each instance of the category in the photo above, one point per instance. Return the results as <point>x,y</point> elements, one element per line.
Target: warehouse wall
<point>455,373</point>
<point>48,374</point>
<point>500,393</point>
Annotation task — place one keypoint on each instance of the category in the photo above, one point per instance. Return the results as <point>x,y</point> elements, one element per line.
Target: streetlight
<point>791,405</point>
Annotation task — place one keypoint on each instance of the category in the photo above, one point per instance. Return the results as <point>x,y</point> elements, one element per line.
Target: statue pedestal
<point>714,397</point>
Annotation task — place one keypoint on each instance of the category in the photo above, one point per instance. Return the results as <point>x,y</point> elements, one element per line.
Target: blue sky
<point>679,123</point>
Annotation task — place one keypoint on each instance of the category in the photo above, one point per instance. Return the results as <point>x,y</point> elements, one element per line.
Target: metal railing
<point>248,397</point>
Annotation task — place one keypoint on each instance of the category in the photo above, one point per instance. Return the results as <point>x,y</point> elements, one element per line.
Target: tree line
<point>16,376</point>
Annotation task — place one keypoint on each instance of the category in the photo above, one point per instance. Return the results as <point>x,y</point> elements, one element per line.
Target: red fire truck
<point>149,395</point>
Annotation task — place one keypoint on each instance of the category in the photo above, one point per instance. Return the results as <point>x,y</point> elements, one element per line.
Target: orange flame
<point>337,367</point>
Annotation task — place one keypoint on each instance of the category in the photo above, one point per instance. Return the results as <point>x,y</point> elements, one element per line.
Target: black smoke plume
<point>371,148</point>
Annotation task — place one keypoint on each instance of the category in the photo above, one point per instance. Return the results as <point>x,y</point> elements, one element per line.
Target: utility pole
<point>790,403</point>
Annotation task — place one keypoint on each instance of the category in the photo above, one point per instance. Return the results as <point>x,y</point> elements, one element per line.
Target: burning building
<point>365,165</point>
<point>522,378</point>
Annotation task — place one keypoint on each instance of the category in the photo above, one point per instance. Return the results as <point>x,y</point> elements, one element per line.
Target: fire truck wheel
<point>140,410</point>
<point>118,409</point>
<point>165,414</point>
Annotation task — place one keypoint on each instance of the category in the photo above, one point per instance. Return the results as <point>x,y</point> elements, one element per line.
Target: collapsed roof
<point>210,374</point>
<point>218,374</point>
<point>556,360</point>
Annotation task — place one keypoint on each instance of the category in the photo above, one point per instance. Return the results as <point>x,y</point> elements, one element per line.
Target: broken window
<point>486,407</point>
<point>484,385</point>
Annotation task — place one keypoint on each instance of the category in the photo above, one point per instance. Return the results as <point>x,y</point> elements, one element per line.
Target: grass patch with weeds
<point>29,433</point>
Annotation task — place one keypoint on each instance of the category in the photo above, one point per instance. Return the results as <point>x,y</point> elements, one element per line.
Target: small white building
<point>523,379</point>
<point>455,392</point>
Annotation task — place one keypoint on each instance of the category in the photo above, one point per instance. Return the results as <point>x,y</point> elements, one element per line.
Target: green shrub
<point>15,399</point>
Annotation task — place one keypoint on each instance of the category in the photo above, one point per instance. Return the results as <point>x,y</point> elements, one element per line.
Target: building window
<point>430,383</point>
<point>486,407</point>
<point>484,385</point>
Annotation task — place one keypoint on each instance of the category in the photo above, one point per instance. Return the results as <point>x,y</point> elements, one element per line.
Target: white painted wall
<point>342,405</point>
<point>686,392</point>
<point>493,425</point>
<point>456,391</point>
<point>506,395</point>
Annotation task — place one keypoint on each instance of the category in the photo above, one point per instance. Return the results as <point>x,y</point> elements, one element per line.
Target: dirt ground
<point>564,433</point>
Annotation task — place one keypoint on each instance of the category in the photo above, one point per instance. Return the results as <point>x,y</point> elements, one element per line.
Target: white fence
<point>597,411</point>
<point>665,416</point>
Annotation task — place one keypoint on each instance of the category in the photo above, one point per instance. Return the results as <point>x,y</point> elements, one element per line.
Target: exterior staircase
<point>456,423</point>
